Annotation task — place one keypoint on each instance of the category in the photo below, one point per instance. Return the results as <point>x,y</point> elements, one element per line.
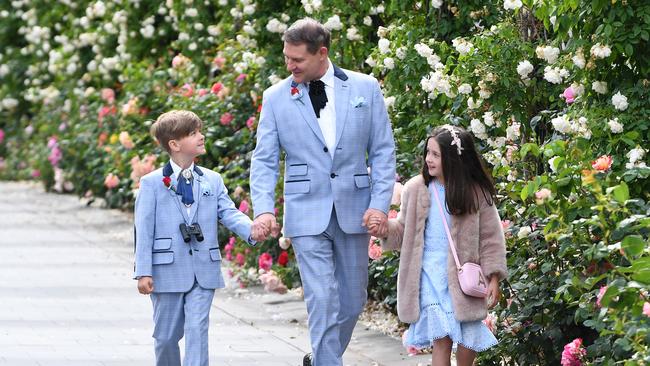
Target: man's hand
<point>377,222</point>
<point>145,285</point>
<point>494,293</point>
<point>263,225</point>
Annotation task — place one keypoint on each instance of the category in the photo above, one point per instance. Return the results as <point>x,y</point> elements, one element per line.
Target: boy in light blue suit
<point>330,125</point>
<point>177,257</point>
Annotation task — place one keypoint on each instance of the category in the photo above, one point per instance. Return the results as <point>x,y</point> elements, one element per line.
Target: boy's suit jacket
<point>314,182</point>
<point>160,249</point>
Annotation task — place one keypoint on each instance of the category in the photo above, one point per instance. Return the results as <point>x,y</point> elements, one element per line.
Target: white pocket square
<point>358,102</point>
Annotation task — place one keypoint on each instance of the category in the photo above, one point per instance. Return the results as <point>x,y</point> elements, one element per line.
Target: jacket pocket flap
<point>162,258</point>
<point>297,169</point>
<point>215,254</point>
<point>362,180</point>
<point>162,244</point>
<point>296,186</point>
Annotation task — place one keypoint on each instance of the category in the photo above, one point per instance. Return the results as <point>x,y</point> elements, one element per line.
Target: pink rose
<point>62,127</point>
<point>229,256</point>
<point>108,95</point>
<point>216,88</point>
<point>203,92</point>
<point>250,122</point>
<point>646,309</point>
<point>36,173</point>
<point>187,90</point>
<point>265,261</point>
<point>232,241</point>
<point>226,118</point>
<point>179,61</point>
<point>543,194</point>
<point>599,297</point>
<point>603,163</point>
<point>111,181</point>
<point>241,78</point>
<point>2,135</point>
<point>273,283</point>
<point>125,140</point>
<point>569,95</point>
<point>240,259</point>
<point>243,206</point>
<point>219,61</point>
<point>55,156</point>
<point>374,250</point>
<point>491,323</point>
<point>573,353</point>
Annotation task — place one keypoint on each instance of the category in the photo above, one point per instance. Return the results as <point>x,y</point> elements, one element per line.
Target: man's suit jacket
<point>160,249</point>
<point>314,182</point>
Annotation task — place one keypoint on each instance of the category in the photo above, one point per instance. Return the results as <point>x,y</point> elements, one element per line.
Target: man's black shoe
<point>307,360</point>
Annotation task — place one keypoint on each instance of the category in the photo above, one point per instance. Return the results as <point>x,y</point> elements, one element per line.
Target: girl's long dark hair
<point>465,175</point>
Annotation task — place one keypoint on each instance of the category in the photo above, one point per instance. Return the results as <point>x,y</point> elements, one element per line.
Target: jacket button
<point>332,175</point>
<point>325,149</point>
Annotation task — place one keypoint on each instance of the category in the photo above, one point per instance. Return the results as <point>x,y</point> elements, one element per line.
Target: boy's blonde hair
<point>174,125</point>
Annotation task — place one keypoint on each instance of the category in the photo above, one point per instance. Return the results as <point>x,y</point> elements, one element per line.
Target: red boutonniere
<point>167,181</point>
<point>296,94</point>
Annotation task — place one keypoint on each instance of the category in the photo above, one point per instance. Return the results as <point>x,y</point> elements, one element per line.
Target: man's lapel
<point>342,101</point>
<point>306,109</point>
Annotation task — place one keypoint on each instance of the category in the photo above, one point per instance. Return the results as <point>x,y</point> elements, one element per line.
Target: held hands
<point>145,285</point>
<point>263,226</point>
<point>494,293</point>
<point>377,222</point>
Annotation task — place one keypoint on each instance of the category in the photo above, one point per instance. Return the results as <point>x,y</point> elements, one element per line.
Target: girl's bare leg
<point>465,356</point>
<point>441,353</point>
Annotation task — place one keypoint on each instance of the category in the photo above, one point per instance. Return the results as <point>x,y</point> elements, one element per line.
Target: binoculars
<point>192,230</point>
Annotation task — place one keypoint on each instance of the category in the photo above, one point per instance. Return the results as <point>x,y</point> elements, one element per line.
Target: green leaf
<point>633,245</point>
<point>621,192</point>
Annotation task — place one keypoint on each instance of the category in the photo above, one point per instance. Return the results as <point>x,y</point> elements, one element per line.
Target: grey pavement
<point>67,297</point>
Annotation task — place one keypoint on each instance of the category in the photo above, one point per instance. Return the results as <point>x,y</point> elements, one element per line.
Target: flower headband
<point>455,140</point>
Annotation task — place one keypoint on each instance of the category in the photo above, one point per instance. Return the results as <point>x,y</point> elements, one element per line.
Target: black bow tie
<point>317,96</point>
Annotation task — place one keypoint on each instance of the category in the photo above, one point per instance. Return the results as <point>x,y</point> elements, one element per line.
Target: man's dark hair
<point>309,32</point>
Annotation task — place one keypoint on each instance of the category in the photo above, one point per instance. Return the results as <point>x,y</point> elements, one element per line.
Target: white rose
<point>389,63</point>
<point>512,4</point>
<point>478,129</point>
<point>562,124</point>
<point>579,59</point>
<point>352,34</point>
<point>462,46</point>
<point>599,87</point>
<point>524,68</point>
<point>488,118</point>
<point>465,89</point>
<point>371,62</point>
<point>389,102</point>
<point>524,231</point>
<point>384,45</point>
<point>400,53</point>
<point>619,101</point>
<point>548,53</point>
<point>471,104</point>
<point>436,4</point>
<point>147,31</point>
<point>512,132</point>
<point>191,12</point>
<point>213,30</point>
<point>615,126</point>
<point>9,103</point>
<point>423,50</point>
<point>249,9</point>
<point>636,154</point>
<point>600,51</point>
<point>552,75</point>
<point>367,20</point>
<point>333,23</point>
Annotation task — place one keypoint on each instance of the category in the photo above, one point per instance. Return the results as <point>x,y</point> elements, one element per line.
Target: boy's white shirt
<point>177,171</point>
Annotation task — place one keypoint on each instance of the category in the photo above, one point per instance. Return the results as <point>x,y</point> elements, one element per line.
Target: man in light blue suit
<point>331,126</point>
<point>177,257</point>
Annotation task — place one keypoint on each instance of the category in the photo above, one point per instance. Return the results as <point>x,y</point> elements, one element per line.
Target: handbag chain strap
<point>444,220</point>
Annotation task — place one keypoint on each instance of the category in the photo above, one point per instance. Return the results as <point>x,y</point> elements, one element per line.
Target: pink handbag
<point>470,276</point>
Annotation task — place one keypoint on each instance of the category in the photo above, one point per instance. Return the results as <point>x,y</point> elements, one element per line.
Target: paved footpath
<point>67,297</point>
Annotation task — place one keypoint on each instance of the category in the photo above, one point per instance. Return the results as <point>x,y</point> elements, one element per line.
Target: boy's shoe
<point>307,360</point>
